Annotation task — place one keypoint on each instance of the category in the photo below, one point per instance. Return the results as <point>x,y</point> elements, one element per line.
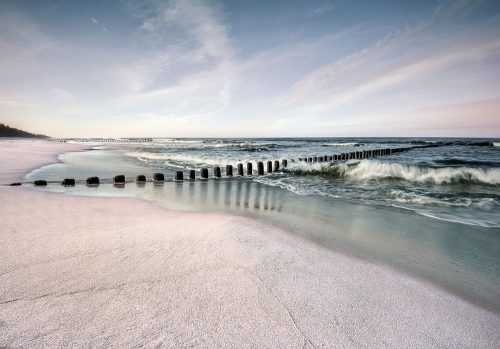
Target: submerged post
<point>140,178</point>
<point>260,168</point>
<point>192,175</point>
<point>179,176</point>
<point>249,169</point>
<point>68,182</point>
<point>229,170</point>
<point>204,173</point>
<point>158,177</point>
<point>240,170</point>
<point>217,172</point>
<point>93,181</point>
<point>40,182</point>
<point>284,162</point>
<point>276,165</point>
<point>269,166</point>
<point>120,179</point>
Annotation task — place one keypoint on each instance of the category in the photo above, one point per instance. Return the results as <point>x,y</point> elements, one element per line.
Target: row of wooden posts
<point>270,166</point>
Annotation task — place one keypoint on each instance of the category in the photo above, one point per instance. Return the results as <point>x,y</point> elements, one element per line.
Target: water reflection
<point>461,258</point>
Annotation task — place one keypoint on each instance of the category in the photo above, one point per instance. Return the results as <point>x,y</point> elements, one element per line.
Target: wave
<point>366,170</point>
<point>182,160</point>
<point>160,145</point>
<point>347,144</point>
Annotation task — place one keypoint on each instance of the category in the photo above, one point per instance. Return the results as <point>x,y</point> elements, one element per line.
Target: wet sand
<point>120,272</point>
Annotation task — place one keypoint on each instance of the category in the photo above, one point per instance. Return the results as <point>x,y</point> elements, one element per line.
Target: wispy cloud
<point>374,68</point>
<point>205,49</point>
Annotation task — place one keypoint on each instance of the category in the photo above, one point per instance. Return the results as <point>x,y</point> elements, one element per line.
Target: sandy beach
<point>121,273</point>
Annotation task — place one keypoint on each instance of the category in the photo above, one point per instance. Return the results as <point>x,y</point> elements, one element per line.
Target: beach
<point>122,272</point>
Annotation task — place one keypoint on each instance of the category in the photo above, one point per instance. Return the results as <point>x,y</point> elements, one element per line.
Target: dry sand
<point>109,272</point>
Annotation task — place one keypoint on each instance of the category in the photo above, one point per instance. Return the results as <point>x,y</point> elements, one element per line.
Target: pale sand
<point>106,272</point>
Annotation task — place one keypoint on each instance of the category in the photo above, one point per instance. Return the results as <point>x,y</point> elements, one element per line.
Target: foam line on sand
<point>120,272</point>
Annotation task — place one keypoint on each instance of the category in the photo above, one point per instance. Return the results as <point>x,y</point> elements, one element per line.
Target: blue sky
<point>251,68</point>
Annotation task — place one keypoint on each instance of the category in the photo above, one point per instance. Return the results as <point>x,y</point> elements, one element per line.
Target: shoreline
<point>232,281</point>
<point>389,246</point>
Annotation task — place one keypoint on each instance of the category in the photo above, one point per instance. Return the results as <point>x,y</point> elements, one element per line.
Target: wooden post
<point>229,170</point>
<point>120,179</point>
<point>309,159</point>
<point>158,177</point>
<point>249,169</point>
<point>284,162</point>
<point>68,182</point>
<point>140,178</point>
<point>93,181</point>
<point>260,168</point>
<point>179,176</point>
<point>276,165</point>
<point>315,158</point>
<point>240,170</point>
<point>204,173</point>
<point>192,175</point>
<point>217,172</point>
<point>269,166</point>
<point>40,182</point>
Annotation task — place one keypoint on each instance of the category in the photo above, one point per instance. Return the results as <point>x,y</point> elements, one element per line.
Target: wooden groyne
<point>262,168</point>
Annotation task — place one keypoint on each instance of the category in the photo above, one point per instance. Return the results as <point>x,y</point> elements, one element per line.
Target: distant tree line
<point>6,131</point>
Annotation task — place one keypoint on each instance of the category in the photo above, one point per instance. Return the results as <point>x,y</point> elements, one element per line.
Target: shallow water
<point>444,230</point>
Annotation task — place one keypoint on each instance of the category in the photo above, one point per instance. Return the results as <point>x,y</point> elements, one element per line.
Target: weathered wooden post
<point>217,172</point>
<point>320,159</point>
<point>179,176</point>
<point>40,182</point>
<point>276,165</point>
<point>93,181</point>
<point>260,168</point>
<point>140,178</point>
<point>284,162</point>
<point>240,170</point>
<point>204,173</point>
<point>309,159</point>
<point>192,175</point>
<point>229,170</point>
<point>249,169</point>
<point>269,166</point>
<point>15,184</point>
<point>315,159</point>
<point>159,177</point>
<point>68,182</point>
<point>120,179</point>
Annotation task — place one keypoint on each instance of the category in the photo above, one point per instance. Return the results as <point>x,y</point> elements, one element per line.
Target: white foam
<point>373,169</point>
<point>348,144</point>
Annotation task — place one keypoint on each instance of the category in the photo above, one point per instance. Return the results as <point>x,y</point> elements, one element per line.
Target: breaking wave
<point>347,144</point>
<point>366,170</point>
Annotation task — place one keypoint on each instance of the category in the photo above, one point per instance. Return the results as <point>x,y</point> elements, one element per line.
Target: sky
<point>273,68</point>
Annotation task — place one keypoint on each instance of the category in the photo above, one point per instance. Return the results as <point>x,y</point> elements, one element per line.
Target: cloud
<point>395,59</point>
<point>93,20</point>
<point>21,44</point>
<point>201,49</point>
<point>319,10</point>
<point>62,94</point>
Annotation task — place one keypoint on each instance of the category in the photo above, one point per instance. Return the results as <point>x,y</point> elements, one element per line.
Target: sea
<point>433,212</point>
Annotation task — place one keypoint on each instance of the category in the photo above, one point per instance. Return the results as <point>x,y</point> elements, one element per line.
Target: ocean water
<point>433,212</point>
